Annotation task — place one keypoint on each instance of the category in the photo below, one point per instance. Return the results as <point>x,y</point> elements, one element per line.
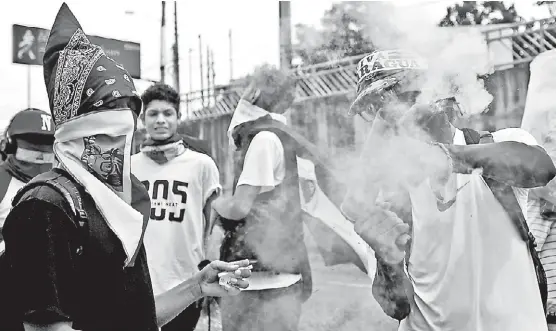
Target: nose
<point>160,119</point>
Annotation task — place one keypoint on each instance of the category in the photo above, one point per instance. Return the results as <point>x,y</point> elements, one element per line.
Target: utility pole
<point>190,52</point>
<point>162,43</point>
<point>212,69</point>
<point>176,49</point>
<point>285,31</point>
<point>208,75</point>
<point>201,69</point>
<point>231,55</point>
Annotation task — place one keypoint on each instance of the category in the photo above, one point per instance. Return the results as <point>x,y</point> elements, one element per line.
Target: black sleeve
<point>38,238</point>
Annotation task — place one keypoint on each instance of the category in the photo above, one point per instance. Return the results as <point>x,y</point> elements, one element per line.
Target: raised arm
<point>511,162</point>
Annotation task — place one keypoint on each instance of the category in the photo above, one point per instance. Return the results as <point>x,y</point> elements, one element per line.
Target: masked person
<point>28,146</point>
<point>74,238</point>
<point>182,184</point>
<point>471,262</point>
<point>262,219</point>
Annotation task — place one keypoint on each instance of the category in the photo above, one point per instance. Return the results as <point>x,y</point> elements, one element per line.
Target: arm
<point>171,303</point>
<point>509,162</point>
<point>263,158</point>
<point>204,283</point>
<point>211,191</point>
<point>210,217</point>
<point>237,206</point>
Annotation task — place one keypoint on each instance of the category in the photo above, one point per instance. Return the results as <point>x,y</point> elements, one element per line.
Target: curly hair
<point>162,92</point>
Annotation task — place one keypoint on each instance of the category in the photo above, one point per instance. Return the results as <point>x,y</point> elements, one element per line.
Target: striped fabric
<point>541,216</point>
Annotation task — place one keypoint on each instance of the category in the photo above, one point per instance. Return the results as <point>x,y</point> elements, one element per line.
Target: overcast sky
<point>254,25</point>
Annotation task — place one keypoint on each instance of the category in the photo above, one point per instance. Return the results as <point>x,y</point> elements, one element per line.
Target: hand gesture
<point>209,280</point>
<point>386,233</point>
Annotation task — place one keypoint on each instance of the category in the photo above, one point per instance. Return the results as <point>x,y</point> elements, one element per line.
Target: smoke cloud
<point>455,56</point>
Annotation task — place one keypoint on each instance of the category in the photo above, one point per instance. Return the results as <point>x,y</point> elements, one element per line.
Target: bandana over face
<point>94,105</point>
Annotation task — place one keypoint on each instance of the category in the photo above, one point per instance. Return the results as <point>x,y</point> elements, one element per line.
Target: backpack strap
<point>58,180</point>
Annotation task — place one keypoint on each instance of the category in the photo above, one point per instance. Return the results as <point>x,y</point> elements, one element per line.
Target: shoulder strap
<point>59,181</point>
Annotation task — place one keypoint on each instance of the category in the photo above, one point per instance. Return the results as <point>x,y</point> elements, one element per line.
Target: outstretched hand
<point>386,233</point>
<point>209,280</point>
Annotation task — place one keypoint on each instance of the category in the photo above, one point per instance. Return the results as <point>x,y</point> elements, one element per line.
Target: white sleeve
<point>211,179</point>
<point>264,162</point>
<point>515,134</point>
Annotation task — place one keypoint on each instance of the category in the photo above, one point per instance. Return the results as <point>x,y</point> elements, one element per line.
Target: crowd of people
<point>94,237</point>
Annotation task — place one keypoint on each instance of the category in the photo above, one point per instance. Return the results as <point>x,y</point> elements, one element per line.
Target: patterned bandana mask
<point>94,105</point>
<point>96,150</point>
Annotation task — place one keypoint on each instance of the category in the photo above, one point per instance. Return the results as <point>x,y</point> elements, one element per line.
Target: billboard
<point>29,44</point>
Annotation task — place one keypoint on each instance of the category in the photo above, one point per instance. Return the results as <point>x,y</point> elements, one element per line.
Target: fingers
<point>241,263</point>
<point>239,283</point>
<point>403,240</point>
<point>242,273</point>
<point>229,266</point>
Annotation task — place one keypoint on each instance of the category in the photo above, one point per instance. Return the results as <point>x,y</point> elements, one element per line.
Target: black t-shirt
<point>54,277</point>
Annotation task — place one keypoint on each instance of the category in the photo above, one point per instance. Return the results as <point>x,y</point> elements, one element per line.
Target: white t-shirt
<point>179,190</point>
<point>264,166</point>
<point>470,269</point>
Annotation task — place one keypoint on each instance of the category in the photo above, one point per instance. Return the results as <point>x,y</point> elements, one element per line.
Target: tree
<point>341,35</point>
<point>480,13</point>
<point>551,5</point>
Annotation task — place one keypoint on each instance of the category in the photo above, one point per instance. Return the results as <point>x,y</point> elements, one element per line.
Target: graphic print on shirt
<point>168,199</point>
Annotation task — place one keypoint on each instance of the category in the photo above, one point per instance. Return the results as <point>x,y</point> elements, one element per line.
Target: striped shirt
<point>541,216</point>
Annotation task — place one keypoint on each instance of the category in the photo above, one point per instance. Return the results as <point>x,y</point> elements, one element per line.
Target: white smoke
<point>456,56</point>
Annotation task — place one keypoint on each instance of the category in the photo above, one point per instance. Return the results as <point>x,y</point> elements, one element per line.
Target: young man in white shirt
<point>470,268</point>
<point>262,219</point>
<point>182,184</point>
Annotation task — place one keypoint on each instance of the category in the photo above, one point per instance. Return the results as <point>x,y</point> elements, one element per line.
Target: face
<point>308,188</point>
<point>161,119</point>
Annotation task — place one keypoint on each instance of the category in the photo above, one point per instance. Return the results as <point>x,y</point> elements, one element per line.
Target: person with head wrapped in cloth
<point>262,219</point>
<point>471,263</point>
<point>74,238</point>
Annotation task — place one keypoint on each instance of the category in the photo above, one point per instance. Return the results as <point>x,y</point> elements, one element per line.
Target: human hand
<point>386,233</point>
<point>209,280</point>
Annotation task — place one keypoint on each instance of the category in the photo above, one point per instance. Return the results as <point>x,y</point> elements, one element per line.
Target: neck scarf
<point>164,151</point>
<point>23,169</point>
<point>96,149</point>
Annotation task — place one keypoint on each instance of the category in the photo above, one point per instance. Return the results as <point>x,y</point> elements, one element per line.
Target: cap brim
<point>357,105</point>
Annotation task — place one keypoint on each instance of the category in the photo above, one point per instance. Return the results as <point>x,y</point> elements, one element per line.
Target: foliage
<point>480,13</point>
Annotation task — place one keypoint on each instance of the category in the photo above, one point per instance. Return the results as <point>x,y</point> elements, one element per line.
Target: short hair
<point>162,92</point>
